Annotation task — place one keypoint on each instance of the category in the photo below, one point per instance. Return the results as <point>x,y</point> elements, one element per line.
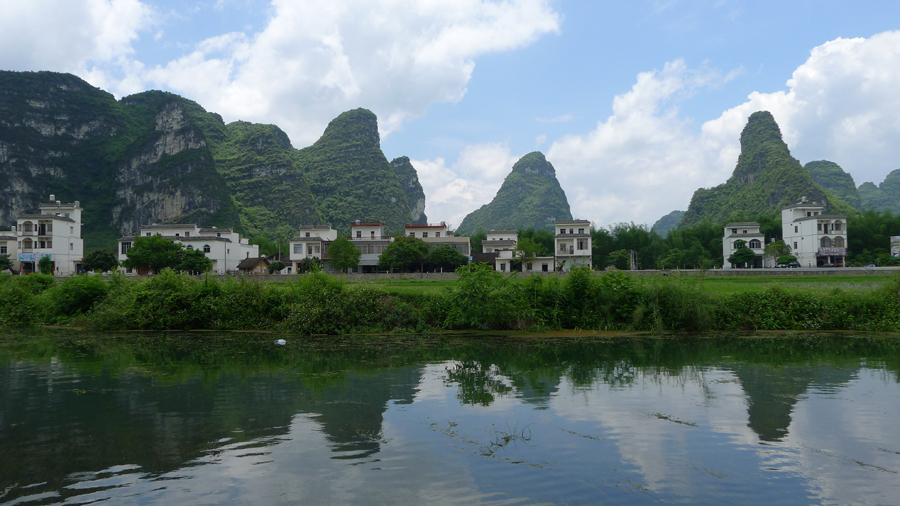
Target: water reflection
<point>233,419</point>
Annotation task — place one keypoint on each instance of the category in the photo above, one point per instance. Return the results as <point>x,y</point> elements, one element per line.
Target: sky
<point>636,104</point>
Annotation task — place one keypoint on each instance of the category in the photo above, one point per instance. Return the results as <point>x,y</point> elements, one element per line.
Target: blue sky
<point>636,104</point>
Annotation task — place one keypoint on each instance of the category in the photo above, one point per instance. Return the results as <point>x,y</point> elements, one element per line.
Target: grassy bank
<point>480,299</point>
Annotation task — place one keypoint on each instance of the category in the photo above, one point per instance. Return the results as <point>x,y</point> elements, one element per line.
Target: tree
<point>5,262</point>
<point>777,249</point>
<point>100,260</point>
<point>45,265</point>
<point>527,249</point>
<point>446,257</point>
<point>193,261</point>
<point>276,266</point>
<point>742,256</point>
<point>153,253</point>
<point>786,259</point>
<point>311,264</point>
<point>344,255</point>
<point>403,253</point>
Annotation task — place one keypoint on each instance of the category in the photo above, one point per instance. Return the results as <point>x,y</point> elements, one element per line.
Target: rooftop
<point>315,227</point>
<point>742,224</point>
<point>495,232</point>
<point>573,222</point>
<point>44,217</point>
<point>823,217</point>
<point>358,223</point>
<point>428,225</point>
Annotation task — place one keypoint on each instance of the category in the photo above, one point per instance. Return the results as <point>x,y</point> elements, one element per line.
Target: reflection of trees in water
<point>159,402</point>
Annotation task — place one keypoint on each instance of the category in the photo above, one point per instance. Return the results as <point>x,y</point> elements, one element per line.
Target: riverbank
<point>480,299</point>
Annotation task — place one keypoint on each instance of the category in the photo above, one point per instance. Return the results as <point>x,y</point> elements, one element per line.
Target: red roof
<point>426,226</point>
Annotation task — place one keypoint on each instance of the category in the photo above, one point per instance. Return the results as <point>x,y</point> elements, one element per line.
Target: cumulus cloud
<point>472,181</point>
<point>318,58</point>
<point>840,105</point>
<point>647,159</point>
<point>70,36</point>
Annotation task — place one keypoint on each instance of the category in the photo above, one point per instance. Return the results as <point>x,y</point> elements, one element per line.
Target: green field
<point>707,284</point>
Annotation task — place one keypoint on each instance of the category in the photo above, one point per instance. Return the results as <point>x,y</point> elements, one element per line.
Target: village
<point>55,231</point>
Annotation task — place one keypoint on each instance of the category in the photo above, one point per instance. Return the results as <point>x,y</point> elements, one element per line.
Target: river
<point>234,418</point>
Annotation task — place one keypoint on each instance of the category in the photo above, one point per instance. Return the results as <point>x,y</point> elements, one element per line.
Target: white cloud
<point>70,36</point>
<point>646,159</point>
<point>453,192</point>
<point>840,105</point>
<point>319,58</point>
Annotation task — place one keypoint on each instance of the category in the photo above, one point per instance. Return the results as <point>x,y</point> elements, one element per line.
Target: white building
<point>311,242</point>
<point>572,244</point>
<point>371,239</point>
<point>225,247</point>
<point>744,234</point>
<point>503,243</point>
<point>816,239</point>
<point>438,235</point>
<point>54,232</point>
<point>9,245</point>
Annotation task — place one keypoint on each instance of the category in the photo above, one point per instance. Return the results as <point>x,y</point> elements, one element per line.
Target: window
<point>571,231</point>
<point>412,234</point>
<point>502,266</point>
<point>795,246</point>
<point>148,234</point>
<point>190,247</point>
<point>218,234</point>
<point>820,227</point>
<point>734,231</point>
<point>544,268</point>
<point>755,244</point>
<point>424,234</point>
<point>307,234</point>
<point>838,242</point>
<point>315,249</point>
<point>529,266</point>
<point>795,231</point>
<point>373,235</point>
<point>71,230</point>
<point>3,249</point>
<point>582,244</point>
<point>826,242</point>
<point>816,213</point>
<point>744,231</point>
<point>359,234</point>
<point>177,234</point>
<point>837,226</point>
<point>187,234</point>
<point>298,249</point>
<point>27,226</point>
<point>206,248</point>
<point>562,231</point>
<point>437,234</point>
<point>808,214</point>
<point>580,230</point>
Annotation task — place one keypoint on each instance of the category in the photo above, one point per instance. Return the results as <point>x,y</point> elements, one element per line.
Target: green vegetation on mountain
<point>415,195</point>
<point>530,197</point>
<point>766,179</point>
<point>830,176</point>
<point>667,222</point>
<point>156,157</point>
<point>884,197</point>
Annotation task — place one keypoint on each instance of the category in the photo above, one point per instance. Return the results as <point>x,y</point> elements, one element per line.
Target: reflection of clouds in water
<point>834,445</point>
<point>653,420</point>
<point>842,436</point>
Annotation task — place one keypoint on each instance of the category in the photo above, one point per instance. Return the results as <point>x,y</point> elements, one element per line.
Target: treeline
<point>700,246</point>
<point>481,299</point>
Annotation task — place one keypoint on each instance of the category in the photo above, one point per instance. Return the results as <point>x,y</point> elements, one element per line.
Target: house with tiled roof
<point>223,246</point>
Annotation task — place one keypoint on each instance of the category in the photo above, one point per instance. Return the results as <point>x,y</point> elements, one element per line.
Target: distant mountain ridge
<point>529,197</point>
<point>156,157</point>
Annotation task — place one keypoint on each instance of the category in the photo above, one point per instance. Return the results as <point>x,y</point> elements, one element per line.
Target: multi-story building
<point>816,239</point>
<point>54,232</point>
<point>371,239</point>
<point>225,247</point>
<point>502,243</point>
<point>572,244</point>
<point>438,235</point>
<point>9,245</point>
<point>744,234</point>
<point>311,242</point>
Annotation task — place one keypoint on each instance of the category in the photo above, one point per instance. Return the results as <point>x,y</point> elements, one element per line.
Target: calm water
<point>235,419</point>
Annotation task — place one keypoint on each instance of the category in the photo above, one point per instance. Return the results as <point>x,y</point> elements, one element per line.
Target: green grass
<point>732,285</point>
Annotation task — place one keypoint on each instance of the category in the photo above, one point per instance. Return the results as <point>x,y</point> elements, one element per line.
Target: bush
<point>73,296</point>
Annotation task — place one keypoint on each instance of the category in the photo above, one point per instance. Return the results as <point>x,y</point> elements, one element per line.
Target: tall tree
<point>403,253</point>
<point>100,260</point>
<point>446,257</point>
<point>344,255</point>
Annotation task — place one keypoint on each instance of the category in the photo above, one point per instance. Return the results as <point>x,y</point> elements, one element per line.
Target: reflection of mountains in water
<point>772,392</point>
<point>160,404</point>
<point>60,422</point>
